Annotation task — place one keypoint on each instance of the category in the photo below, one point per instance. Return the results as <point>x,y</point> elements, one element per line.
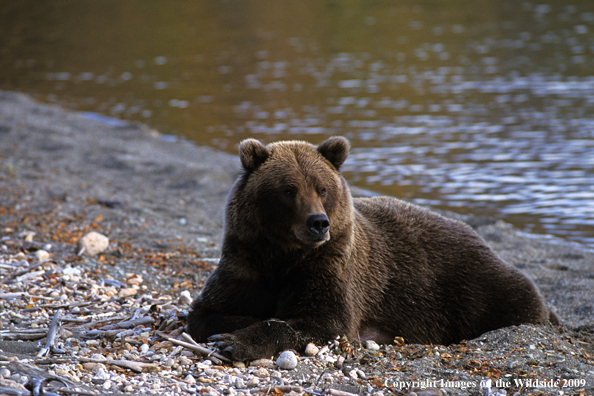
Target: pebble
<point>92,244</point>
<point>372,345</point>
<point>4,373</point>
<point>240,383</point>
<point>287,360</point>
<point>127,292</point>
<point>101,376</point>
<point>353,374</point>
<point>41,255</point>
<point>93,367</point>
<point>190,379</point>
<point>261,372</point>
<point>253,382</point>
<point>185,297</point>
<point>339,362</point>
<point>426,392</point>
<point>311,350</point>
<point>262,363</point>
<point>75,271</point>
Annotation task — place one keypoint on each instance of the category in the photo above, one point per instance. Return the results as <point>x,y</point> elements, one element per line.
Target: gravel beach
<point>78,321</point>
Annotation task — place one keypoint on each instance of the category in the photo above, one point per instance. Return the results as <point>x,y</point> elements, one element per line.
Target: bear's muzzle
<point>318,224</point>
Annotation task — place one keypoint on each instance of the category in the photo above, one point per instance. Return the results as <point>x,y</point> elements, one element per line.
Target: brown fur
<point>384,268</point>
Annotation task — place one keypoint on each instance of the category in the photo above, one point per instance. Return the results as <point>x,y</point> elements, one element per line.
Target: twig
<point>98,322</point>
<point>129,324</point>
<point>24,271</point>
<point>195,347</point>
<point>189,338</point>
<point>29,276</point>
<point>282,388</point>
<point>23,294</point>
<point>13,392</point>
<point>137,367</point>
<point>70,306</point>
<point>52,332</point>
<point>22,336</point>
<point>336,392</point>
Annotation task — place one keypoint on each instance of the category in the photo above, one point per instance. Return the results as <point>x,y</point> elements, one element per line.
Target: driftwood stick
<point>23,336</point>
<point>189,338</point>
<point>52,332</point>
<point>23,294</point>
<point>130,324</point>
<point>336,392</point>
<point>69,306</point>
<point>137,367</point>
<point>4,390</point>
<point>97,322</point>
<point>29,276</point>
<point>282,388</point>
<point>195,347</point>
<point>24,271</point>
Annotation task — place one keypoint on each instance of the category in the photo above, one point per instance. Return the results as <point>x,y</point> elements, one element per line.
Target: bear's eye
<point>289,192</point>
<point>322,192</point>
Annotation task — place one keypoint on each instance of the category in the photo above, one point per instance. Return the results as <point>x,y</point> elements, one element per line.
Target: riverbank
<point>160,201</point>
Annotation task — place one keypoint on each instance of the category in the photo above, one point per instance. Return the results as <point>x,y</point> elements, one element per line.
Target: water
<point>483,107</point>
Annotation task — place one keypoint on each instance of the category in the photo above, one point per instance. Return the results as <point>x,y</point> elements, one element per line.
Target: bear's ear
<point>335,149</point>
<point>252,154</point>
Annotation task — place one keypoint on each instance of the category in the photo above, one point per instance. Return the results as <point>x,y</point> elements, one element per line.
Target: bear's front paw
<point>234,348</point>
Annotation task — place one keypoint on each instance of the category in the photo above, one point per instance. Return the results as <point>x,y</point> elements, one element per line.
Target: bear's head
<point>291,194</point>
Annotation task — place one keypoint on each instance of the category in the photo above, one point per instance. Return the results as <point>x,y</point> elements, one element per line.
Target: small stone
<point>72,271</point>
<point>353,374</point>
<point>239,383</point>
<point>21,256</point>
<point>339,362</point>
<point>4,373</point>
<point>253,382</point>
<point>144,348</point>
<point>190,379</point>
<point>41,255</point>
<point>427,392</point>
<point>238,364</point>
<point>130,291</point>
<point>262,363</point>
<point>372,345</point>
<point>287,360</point>
<point>107,385</point>
<point>261,372</point>
<point>185,297</point>
<point>98,366</point>
<point>100,377</point>
<point>311,350</point>
<point>92,244</point>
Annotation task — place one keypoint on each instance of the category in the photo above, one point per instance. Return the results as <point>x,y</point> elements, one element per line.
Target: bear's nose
<point>318,223</point>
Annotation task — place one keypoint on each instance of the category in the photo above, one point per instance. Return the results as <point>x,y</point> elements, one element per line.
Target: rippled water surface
<point>483,107</point>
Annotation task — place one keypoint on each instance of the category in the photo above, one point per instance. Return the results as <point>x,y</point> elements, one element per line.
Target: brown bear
<point>302,261</point>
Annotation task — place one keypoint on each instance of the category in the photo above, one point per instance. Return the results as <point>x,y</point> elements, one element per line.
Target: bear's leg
<point>200,327</point>
<point>267,338</point>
